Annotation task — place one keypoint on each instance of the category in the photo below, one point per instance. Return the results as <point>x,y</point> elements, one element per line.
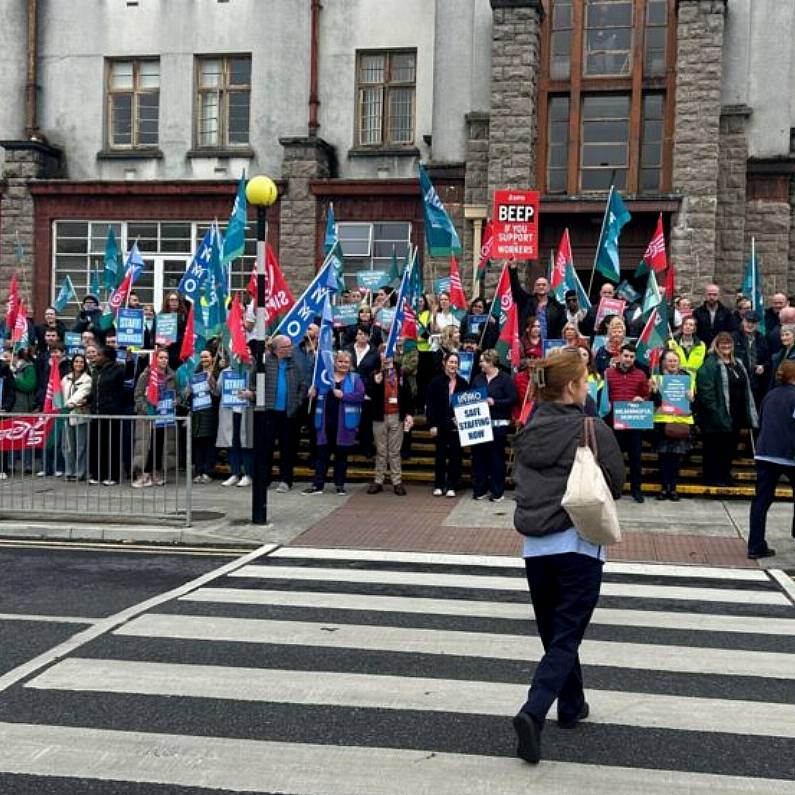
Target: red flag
<point>188,347</point>
<point>509,338</point>
<point>278,298</point>
<point>234,321</point>
<point>13,303</point>
<point>153,384</point>
<point>562,259</point>
<point>20,322</point>
<point>655,252</point>
<point>503,297</point>
<point>485,249</point>
<point>457,297</point>
<point>670,282</point>
<point>409,330</point>
<point>52,397</point>
<point>119,295</point>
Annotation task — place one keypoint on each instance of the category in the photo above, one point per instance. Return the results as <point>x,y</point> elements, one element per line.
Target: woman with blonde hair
<point>564,571</point>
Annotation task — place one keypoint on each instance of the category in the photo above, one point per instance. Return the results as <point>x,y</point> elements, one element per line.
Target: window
<point>166,246</point>
<point>368,246</point>
<point>133,91</point>
<point>606,94</point>
<point>223,101</point>
<point>385,88</point>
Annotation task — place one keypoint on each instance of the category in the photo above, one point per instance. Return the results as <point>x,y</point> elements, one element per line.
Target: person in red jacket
<point>627,382</point>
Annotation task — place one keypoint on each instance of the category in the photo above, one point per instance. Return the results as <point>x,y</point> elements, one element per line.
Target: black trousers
<point>280,429</point>
<point>669,470</point>
<point>488,464</point>
<point>447,462</point>
<point>564,590</point>
<point>719,450</point>
<point>104,449</point>
<point>324,452</point>
<point>204,454</point>
<point>630,443</point>
<point>767,477</point>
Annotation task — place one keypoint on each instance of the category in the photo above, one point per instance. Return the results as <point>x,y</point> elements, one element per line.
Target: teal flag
<point>652,297</point>
<point>94,286</point>
<point>331,237</point>
<point>616,217</point>
<point>215,294</point>
<point>752,286</point>
<point>573,283</point>
<point>65,294</point>
<point>440,234</point>
<point>235,236</point>
<point>112,270</point>
<point>395,273</point>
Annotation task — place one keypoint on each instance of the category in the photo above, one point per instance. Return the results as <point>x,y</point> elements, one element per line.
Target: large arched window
<point>606,96</point>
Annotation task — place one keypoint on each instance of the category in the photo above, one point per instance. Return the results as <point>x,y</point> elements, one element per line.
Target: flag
<point>440,234</point>
<point>323,377</point>
<point>19,335</point>
<point>655,252</point>
<point>65,294</point>
<point>616,216</point>
<point>278,296</point>
<point>670,281</point>
<point>400,314</point>
<point>651,297</point>
<point>752,286</point>
<point>563,258</point>
<point>13,303</point>
<point>394,269</point>
<point>654,333</point>
<point>604,399</point>
<point>94,286</point>
<point>153,383</point>
<point>111,272</point>
<point>188,347</point>
<point>331,238</point>
<point>310,304</point>
<point>573,283</point>
<point>508,343</point>
<point>135,264</point>
<point>192,282</point>
<point>457,297</point>
<point>503,297</point>
<point>184,372</point>
<point>486,245</point>
<point>237,331</point>
<point>235,235</point>
<point>215,292</point>
<point>53,397</point>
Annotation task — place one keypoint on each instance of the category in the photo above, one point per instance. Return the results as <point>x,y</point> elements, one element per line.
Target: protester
<point>786,317</point>
<point>712,316</point>
<point>574,313</point>
<point>672,432</point>
<point>488,459</point>
<point>564,571</point>
<point>392,405</point>
<point>627,382</point>
<point>725,405</point>
<point>366,324</point>
<point>364,362</point>
<point>305,419</point>
<point>571,337</point>
<point>7,400</point>
<point>449,342</point>
<point>444,315</point>
<point>174,304</point>
<point>337,417</point>
<point>204,423</point>
<point>88,317</point>
<point>786,350</point>
<point>52,460</point>
<point>609,354</point>
<point>107,395</point>
<point>76,391</point>
<point>778,301</point>
<point>441,422</point>
<point>51,322</point>
<point>688,347</point>
<point>488,331</point>
<point>532,341</point>
<point>588,323</point>
<point>774,457</point>
<point>236,430</point>
<point>540,304</point>
<point>750,347</point>
<point>742,306</point>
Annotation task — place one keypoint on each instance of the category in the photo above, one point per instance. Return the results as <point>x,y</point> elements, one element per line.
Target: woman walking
<point>564,571</point>
<point>76,391</point>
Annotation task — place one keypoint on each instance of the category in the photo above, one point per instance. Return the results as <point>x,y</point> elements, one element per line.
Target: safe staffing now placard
<point>515,224</point>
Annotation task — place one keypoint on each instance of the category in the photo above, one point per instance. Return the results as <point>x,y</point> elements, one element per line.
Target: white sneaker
<point>109,482</point>
<point>282,488</point>
<point>59,474</point>
<point>198,479</point>
<point>41,473</point>
<point>143,481</point>
<point>3,476</point>
<point>437,492</point>
<point>206,478</point>
<point>449,493</point>
<point>244,481</point>
<point>231,481</point>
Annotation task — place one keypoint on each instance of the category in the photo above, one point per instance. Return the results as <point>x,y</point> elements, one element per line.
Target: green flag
<point>235,236</point>
<point>440,234</point>
<point>112,269</point>
<point>616,216</point>
<point>651,297</point>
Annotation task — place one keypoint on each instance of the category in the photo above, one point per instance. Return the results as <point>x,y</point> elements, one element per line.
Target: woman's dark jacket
<point>777,430</point>
<point>545,450</point>
<point>107,390</point>
<point>502,390</point>
<point>713,412</point>
<point>438,406</point>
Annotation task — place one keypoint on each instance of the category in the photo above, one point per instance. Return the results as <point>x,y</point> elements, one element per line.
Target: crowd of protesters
<point>372,405</point>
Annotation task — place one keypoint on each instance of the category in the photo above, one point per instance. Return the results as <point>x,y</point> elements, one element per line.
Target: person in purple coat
<point>338,413</point>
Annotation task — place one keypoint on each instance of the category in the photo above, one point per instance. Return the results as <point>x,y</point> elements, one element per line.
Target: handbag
<point>676,430</point>
<point>587,499</point>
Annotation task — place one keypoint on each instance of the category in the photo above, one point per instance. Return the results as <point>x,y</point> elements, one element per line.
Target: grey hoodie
<point>545,450</point>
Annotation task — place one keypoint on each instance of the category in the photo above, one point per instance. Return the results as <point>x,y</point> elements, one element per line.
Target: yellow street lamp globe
<point>261,191</point>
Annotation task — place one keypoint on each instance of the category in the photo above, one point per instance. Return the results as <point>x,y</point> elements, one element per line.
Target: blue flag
<point>65,294</point>
<point>323,378</point>
<point>135,262</point>
<point>573,283</point>
<point>112,276</point>
<point>94,286</point>
<point>604,399</point>
<point>191,285</point>
<point>752,286</point>
<point>616,216</point>
<point>215,294</point>
<point>400,314</point>
<point>440,234</point>
<point>235,236</point>
<point>310,304</point>
<point>331,237</point>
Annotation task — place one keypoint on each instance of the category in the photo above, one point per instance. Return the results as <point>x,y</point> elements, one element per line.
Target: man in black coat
<point>107,397</point>
<point>750,346</point>
<point>712,316</point>
<point>540,305</point>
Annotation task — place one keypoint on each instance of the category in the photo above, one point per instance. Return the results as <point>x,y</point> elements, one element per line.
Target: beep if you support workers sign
<point>472,416</point>
<point>515,219</point>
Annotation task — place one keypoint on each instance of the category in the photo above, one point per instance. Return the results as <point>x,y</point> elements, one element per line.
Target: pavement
<point>696,531</point>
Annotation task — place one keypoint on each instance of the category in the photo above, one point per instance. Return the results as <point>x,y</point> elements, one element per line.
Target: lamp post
<point>261,192</point>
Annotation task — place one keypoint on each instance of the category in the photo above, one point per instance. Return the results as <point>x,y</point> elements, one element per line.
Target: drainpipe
<point>31,120</point>
<point>314,101</point>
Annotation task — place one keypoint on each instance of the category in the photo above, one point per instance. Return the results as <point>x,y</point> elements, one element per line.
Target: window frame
<point>636,84</point>
<point>386,142</point>
<point>224,90</point>
<point>135,92</point>
<point>373,262</point>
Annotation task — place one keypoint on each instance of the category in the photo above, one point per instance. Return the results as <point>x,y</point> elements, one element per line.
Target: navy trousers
<point>564,590</point>
<point>488,464</point>
<point>767,476</point>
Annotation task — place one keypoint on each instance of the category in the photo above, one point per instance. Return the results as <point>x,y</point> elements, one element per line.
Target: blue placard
<point>372,280</point>
<point>166,328</point>
<point>201,399</point>
<point>345,315</point>
<point>551,345</point>
<point>73,343</point>
<point>232,385</point>
<point>629,416</point>
<point>130,328</point>
<point>477,395</point>
<point>442,285</point>
<point>121,356</point>
<point>165,409</point>
<point>673,391</point>
<point>386,317</point>
<point>475,323</point>
<point>599,341</point>
<point>466,361</point>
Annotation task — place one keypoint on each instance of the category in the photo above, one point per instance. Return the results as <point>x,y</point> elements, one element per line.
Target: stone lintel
<point>40,147</point>
<point>475,116</point>
<point>679,3</point>
<point>736,110</point>
<point>781,166</point>
<point>306,141</point>
<point>536,4</point>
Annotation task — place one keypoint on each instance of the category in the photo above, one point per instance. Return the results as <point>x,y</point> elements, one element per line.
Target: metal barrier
<point>119,468</point>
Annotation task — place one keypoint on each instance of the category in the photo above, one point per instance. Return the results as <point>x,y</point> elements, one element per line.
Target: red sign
<point>24,433</point>
<point>515,220</point>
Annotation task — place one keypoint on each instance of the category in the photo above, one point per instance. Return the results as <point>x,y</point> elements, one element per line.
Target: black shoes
<point>528,734</point>
<point>581,715</point>
<point>375,488</point>
<point>400,490</point>
<point>767,553</point>
<point>662,494</point>
<point>638,497</point>
<point>673,496</point>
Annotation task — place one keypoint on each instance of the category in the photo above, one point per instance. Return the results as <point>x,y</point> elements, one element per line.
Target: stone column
<point>476,194</point>
<point>305,159</point>
<point>767,221</point>
<point>730,218</point>
<point>791,269</point>
<point>24,161</point>
<point>700,25</point>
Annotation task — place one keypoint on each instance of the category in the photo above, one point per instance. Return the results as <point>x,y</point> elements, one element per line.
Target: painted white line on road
<point>51,619</point>
<point>785,581</point>
<point>407,693</point>
<point>111,622</point>
<point>303,769</point>
<point>643,656</point>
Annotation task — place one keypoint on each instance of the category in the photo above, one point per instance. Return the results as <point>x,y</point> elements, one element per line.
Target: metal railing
<point>117,468</point>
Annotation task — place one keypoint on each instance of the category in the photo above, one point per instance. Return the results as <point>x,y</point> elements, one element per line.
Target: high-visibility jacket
<point>689,362</point>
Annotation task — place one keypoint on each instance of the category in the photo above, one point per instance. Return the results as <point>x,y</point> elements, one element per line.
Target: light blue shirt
<point>561,543</point>
<point>281,387</point>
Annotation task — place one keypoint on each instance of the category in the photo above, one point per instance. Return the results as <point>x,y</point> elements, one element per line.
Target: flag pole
<point>599,244</point>
<point>306,290</point>
<point>491,308</point>
<point>753,272</point>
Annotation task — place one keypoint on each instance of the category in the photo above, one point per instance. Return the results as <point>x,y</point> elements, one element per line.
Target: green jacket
<point>25,383</point>
<point>712,398</point>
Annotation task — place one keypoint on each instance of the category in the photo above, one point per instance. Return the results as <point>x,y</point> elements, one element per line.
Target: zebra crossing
<point>310,671</point>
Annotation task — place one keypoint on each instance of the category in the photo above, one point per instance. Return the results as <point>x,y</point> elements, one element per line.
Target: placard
<point>371,280</point>
<point>165,409</point>
<point>629,415</point>
<point>130,328</point>
<point>673,391</point>
<point>475,323</point>
<point>466,361</point>
<point>201,399</point>
<point>166,328</point>
<point>609,306</point>
<point>515,224</point>
<point>599,341</point>
<point>345,315</point>
<point>73,343</point>
<point>232,385</point>
<point>627,291</point>
<point>473,416</point>
<point>385,317</point>
<point>441,285</point>
<point>551,345</point>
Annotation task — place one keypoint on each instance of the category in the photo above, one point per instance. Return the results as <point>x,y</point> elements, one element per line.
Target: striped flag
<point>486,245</point>
<point>654,257</point>
<point>457,297</point>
